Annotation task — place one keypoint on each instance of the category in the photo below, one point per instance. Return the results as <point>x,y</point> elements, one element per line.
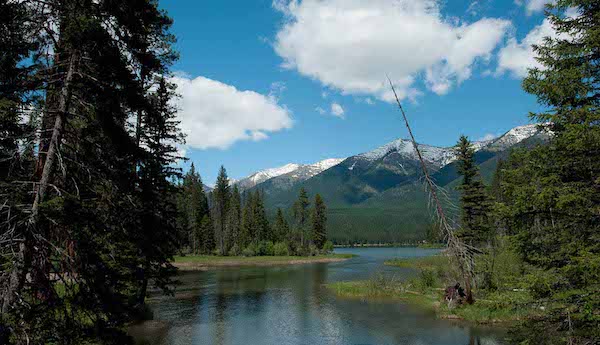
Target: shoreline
<point>205,263</point>
<point>426,291</point>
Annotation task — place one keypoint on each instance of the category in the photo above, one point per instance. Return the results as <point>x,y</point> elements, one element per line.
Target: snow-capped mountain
<point>438,156</point>
<point>515,136</point>
<point>263,175</point>
<point>292,171</point>
<point>441,156</point>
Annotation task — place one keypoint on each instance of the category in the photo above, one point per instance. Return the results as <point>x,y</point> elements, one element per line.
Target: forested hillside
<point>379,196</point>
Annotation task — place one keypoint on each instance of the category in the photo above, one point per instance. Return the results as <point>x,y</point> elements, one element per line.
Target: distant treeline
<point>227,222</point>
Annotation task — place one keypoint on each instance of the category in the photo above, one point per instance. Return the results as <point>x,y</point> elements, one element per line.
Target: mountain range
<point>378,196</point>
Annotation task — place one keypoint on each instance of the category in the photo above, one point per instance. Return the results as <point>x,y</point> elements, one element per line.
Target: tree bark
<point>40,254</point>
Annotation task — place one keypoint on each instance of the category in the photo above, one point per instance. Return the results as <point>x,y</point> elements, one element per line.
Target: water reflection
<point>288,305</point>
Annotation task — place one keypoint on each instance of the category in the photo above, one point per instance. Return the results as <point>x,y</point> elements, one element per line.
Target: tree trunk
<point>41,255</point>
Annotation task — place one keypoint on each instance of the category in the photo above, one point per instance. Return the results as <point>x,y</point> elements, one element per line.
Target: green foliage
<point>319,222</point>
<point>301,215</point>
<point>192,208</point>
<point>281,249</point>
<point>221,196</point>
<point>328,247</point>
<point>281,229</point>
<point>474,202</point>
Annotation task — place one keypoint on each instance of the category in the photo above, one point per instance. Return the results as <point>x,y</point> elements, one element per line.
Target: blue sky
<point>259,79</point>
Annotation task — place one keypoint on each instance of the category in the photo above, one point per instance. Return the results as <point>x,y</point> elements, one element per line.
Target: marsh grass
<point>426,290</point>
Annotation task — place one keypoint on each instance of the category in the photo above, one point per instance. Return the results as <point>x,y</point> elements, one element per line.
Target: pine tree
<point>234,222</point>
<point>193,206</point>
<point>475,203</point>
<point>220,209</point>
<point>319,222</point>
<point>263,229</point>
<point>551,193</point>
<point>301,215</point>
<point>206,233</point>
<point>83,243</point>
<point>281,228</point>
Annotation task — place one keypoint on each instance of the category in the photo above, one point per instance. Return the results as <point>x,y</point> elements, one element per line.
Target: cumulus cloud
<point>216,115</point>
<point>337,110</point>
<point>517,57</point>
<point>350,45</point>
<point>532,6</point>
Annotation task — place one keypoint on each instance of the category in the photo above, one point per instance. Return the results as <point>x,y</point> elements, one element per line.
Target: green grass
<point>431,262</point>
<point>427,290</point>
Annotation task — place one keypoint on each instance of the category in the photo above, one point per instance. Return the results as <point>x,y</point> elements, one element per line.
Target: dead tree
<point>460,251</point>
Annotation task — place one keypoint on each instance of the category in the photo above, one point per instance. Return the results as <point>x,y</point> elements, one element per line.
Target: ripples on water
<point>289,305</point>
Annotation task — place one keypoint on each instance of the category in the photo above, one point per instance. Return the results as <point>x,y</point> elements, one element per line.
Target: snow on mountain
<point>293,171</point>
<point>441,156</point>
<point>304,172</point>
<point>513,137</point>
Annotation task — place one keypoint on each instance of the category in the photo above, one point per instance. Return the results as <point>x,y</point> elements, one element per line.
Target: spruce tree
<point>281,227</point>
<point>301,215</point>
<point>220,208</point>
<point>319,222</point>
<point>193,206</point>
<point>82,248</point>
<point>234,222</point>
<point>206,234</point>
<point>474,201</point>
<point>551,193</point>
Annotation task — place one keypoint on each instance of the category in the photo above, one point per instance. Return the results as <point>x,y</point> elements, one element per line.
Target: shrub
<point>235,250</point>
<point>427,278</point>
<point>313,250</point>
<point>328,247</point>
<point>268,248</point>
<point>281,249</point>
<point>251,250</point>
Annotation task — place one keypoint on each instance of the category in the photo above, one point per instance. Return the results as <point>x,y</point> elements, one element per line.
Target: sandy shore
<point>222,262</point>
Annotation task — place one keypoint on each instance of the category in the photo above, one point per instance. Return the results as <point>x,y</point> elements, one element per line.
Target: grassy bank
<point>427,290</point>
<point>205,262</point>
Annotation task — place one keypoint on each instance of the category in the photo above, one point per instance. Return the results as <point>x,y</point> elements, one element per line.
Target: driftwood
<point>460,251</point>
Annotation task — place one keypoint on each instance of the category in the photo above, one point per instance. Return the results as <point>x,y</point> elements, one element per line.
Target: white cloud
<point>369,101</point>
<point>216,115</point>
<point>351,45</point>
<point>337,110</point>
<point>532,6</point>
<point>320,110</point>
<point>517,57</point>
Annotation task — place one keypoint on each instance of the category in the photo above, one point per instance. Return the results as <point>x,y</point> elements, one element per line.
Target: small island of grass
<point>426,290</point>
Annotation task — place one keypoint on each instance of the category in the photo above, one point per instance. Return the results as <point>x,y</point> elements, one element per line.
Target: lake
<point>289,305</point>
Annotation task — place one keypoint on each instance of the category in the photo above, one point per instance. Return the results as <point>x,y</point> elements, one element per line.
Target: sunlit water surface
<point>289,305</point>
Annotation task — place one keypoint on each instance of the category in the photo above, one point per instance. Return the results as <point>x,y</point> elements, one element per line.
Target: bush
<point>313,250</point>
<point>268,248</point>
<point>281,249</point>
<point>251,250</point>
<point>427,278</point>
<point>543,284</point>
<point>235,250</point>
<point>328,247</point>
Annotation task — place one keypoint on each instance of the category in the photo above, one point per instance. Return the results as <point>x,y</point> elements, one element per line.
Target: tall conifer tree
<point>302,215</point>
<point>319,222</point>
<point>220,206</point>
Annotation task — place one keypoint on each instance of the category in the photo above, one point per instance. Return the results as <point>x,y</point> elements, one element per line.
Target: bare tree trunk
<point>24,256</point>
<point>462,252</point>
<point>41,255</point>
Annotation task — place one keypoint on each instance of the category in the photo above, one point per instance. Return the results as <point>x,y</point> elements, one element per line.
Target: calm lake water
<point>289,305</point>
